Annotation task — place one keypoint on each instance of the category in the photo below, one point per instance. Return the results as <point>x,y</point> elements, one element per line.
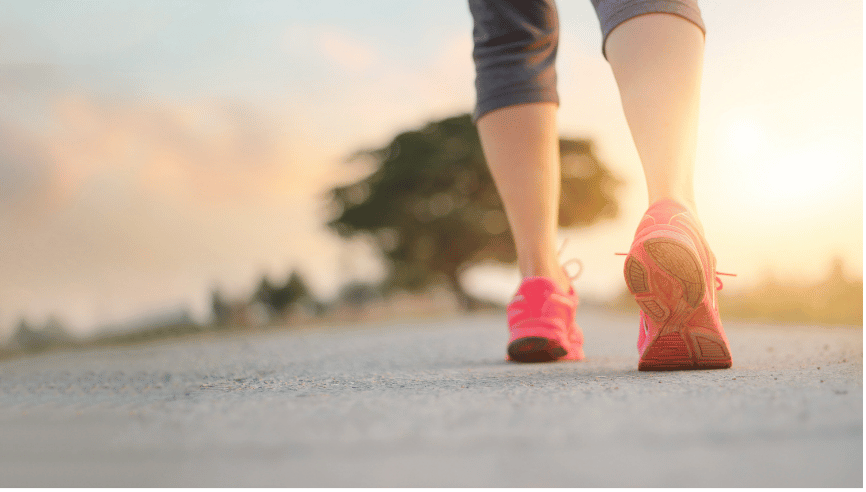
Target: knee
<point>515,52</point>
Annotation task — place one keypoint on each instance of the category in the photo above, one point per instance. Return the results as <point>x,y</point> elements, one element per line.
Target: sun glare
<point>779,176</point>
<point>746,136</point>
<point>803,176</point>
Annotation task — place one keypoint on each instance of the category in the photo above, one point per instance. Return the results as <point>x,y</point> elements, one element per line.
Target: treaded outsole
<point>535,349</point>
<point>676,346</point>
<point>680,263</point>
<point>671,352</point>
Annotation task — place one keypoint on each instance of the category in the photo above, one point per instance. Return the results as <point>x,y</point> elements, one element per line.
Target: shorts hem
<point>513,99</point>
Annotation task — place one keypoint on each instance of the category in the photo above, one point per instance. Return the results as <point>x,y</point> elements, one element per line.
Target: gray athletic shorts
<point>516,43</point>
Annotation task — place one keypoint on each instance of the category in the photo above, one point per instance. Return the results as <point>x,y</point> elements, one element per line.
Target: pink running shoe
<point>671,272</point>
<point>542,324</point>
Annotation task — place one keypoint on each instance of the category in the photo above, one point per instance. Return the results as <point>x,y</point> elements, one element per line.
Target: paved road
<point>433,403</point>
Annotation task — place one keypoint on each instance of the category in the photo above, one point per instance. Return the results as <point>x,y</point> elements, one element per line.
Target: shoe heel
<point>652,271</point>
<point>666,353</point>
<point>637,280</point>
<point>680,263</point>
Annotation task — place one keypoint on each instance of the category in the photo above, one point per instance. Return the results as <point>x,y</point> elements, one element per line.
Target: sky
<point>151,151</point>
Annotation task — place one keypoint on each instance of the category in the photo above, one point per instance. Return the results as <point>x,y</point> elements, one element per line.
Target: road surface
<point>433,403</point>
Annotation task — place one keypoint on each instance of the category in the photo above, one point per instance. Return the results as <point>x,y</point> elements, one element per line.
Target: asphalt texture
<point>434,403</point>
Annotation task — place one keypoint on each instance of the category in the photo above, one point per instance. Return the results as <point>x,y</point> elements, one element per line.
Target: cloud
<point>210,152</point>
<point>17,78</point>
<point>25,168</point>
<point>123,205</point>
<point>349,53</point>
<point>403,94</point>
<point>341,49</point>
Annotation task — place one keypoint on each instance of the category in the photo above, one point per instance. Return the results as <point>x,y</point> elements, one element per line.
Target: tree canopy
<point>432,207</point>
<point>278,298</point>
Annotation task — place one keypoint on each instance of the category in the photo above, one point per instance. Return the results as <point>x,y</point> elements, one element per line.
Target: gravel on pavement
<point>434,403</point>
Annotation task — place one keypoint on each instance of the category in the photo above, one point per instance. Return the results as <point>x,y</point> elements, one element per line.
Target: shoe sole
<point>652,281</point>
<point>535,349</point>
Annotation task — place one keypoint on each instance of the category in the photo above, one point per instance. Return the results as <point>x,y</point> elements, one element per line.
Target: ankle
<point>687,203</point>
<point>554,273</point>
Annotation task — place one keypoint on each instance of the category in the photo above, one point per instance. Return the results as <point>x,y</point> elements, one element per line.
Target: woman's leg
<point>515,51</point>
<point>515,54</point>
<point>521,145</point>
<point>657,61</point>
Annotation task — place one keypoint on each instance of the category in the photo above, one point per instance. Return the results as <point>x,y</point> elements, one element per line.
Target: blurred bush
<point>836,299</point>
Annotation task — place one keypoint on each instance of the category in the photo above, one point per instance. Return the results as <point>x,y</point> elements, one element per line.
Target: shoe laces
<point>572,261</point>
<point>719,283</point>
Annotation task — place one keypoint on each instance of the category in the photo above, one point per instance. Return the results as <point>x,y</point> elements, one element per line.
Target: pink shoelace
<point>572,261</point>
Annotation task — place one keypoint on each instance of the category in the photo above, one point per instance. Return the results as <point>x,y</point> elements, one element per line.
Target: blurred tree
<point>294,290</point>
<point>433,209</point>
<point>55,333</point>
<point>222,310</point>
<point>27,339</point>
<point>278,299</point>
<point>264,292</point>
<point>356,294</point>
